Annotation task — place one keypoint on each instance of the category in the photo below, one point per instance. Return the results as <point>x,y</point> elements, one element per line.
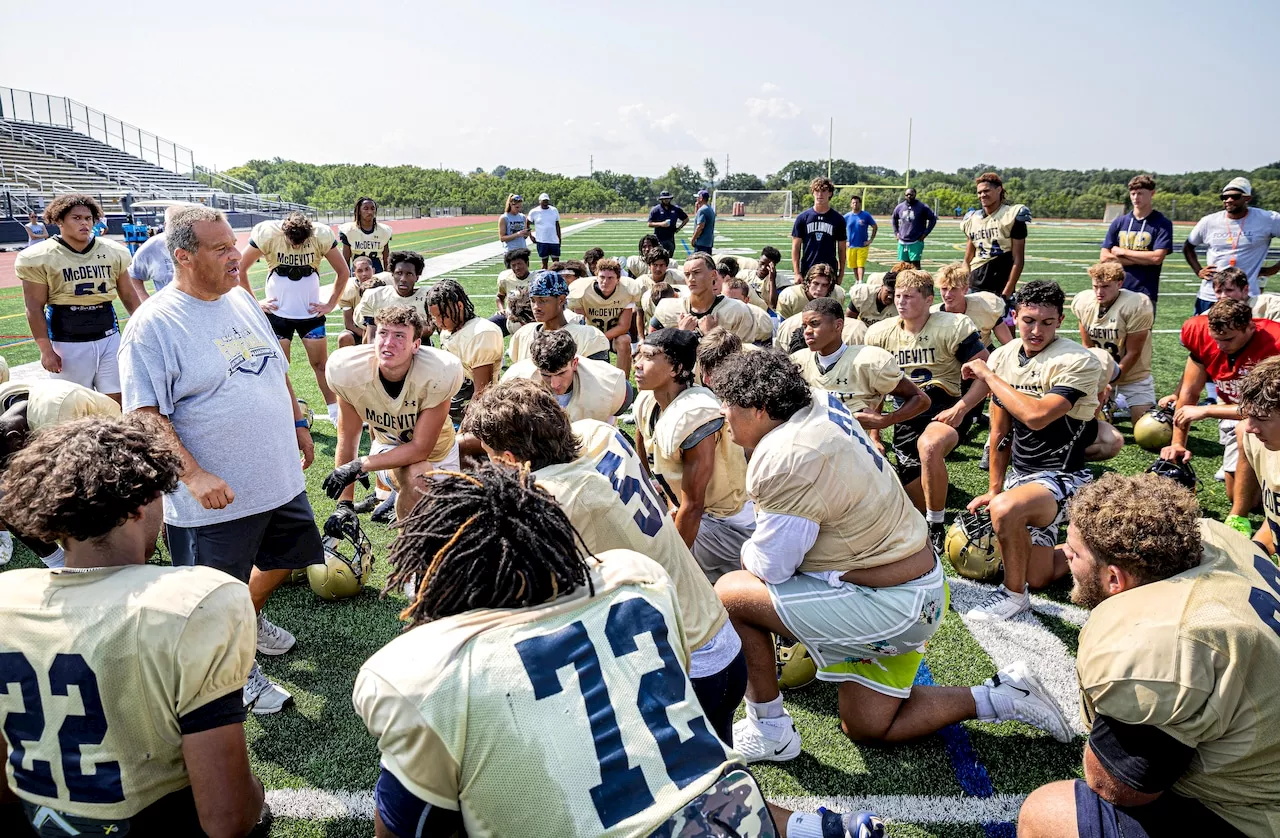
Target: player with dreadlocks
<point>476,342</point>
<point>507,598</point>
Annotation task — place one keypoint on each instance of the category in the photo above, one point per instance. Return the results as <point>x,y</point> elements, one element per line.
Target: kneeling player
<point>1177,668</point>
<point>1119,321</point>
<point>702,472</point>
<point>137,669</point>
<point>585,388</point>
<point>402,390</point>
<point>843,566</point>
<point>474,341</point>
<point>547,295</point>
<point>608,302</point>
<point>1258,468</point>
<point>1044,396</point>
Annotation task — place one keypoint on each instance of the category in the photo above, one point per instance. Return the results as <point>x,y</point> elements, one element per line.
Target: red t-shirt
<point>1227,370</point>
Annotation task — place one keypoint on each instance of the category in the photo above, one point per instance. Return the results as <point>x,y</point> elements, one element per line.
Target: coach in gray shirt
<point>202,355</point>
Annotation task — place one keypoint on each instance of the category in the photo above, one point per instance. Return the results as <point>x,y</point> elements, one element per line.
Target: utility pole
<point>591,165</point>
<point>909,121</point>
<point>726,166</point>
<point>831,126</point>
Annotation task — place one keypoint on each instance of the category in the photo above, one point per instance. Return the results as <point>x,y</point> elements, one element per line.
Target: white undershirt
<point>293,296</point>
<point>829,361</point>
<point>778,546</point>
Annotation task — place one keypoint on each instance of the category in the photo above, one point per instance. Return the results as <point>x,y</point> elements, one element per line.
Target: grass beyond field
<point>967,781</point>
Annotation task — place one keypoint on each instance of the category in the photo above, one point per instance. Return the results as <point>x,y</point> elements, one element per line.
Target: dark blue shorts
<point>1203,305</point>
<point>548,251</point>
<point>310,329</point>
<point>702,248</point>
<point>1170,815</point>
<point>284,538</point>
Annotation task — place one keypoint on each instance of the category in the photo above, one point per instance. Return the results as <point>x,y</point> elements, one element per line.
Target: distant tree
<point>500,171</point>
<point>711,169</point>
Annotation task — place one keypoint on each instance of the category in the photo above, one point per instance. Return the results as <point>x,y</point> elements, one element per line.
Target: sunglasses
<point>1232,196</point>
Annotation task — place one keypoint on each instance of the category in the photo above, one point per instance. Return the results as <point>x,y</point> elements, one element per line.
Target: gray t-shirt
<point>1247,239</point>
<point>214,368</point>
<point>152,262</point>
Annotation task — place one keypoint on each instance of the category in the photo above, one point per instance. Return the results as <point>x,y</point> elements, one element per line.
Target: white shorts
<point>1230,451</point>
<point>1138,392</point>
<point>93,363</point>
<point>1062,485</point>
<point>451,462</point>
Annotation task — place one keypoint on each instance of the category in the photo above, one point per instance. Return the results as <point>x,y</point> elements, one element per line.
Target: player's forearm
<point>1189,253</point>
<point>688,519</point>
<point>128,294</point>
<point>1000,455</point>
<point>1247,491</point>
<point>910,409</point>
<point>1027,409</point>
<point>1145,257</point>
<point>39,328</point>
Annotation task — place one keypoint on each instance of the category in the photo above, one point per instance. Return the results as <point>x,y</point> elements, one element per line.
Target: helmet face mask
<point>346,566</point>
<point>1180,473</point>
<point>972,547</point>
<point>1155,429</point>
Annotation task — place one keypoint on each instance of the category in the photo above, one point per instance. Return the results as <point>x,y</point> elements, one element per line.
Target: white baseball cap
<point>1241,184</point>
<point>545,197</point>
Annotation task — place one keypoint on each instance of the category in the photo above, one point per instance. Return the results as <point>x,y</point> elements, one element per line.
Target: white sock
<point>767,710</point>
<point>804,825</point>
<point>982,699</point>
<point>1023,594</point>
<point>935,516</point>
<point>55,560</point>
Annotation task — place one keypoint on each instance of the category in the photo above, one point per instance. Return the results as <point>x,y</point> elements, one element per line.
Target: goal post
<point>1112,212</point>
<point>752,203</point>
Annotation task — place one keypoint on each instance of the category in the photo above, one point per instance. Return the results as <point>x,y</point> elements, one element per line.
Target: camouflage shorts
<point>732,808</point>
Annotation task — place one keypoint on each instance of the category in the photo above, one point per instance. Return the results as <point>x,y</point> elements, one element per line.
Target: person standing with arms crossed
<point>818,234</point>
<point>861,228</point>
<point>544,229</point>
<point>704,219</point>
<point>913,221</point>
<point>667,219</point>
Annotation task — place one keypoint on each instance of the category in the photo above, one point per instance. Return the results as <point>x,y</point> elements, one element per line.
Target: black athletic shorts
<point>284,538</point>
<point>311,328</point>
<point>906,435</point>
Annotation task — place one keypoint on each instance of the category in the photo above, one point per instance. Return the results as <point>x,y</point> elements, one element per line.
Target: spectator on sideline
<point>205,357</point>
<point>544,229</point>
<point>818,234</point>
<point>36,232</point>
<point>152,261</point>
<point>1142,250</point>
<point>704,219</point>
<point>100,227</point>
<point>1237,237</point>
<point>667,219</point>
<point>997,239</point>
<point>913,221</point>
<point>513,225</point>
<point>861,228</point>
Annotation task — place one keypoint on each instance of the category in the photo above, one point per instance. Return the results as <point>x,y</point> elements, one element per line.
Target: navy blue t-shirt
<point>1155,232</point>
<point>820,235</point>
<point>667,235</point>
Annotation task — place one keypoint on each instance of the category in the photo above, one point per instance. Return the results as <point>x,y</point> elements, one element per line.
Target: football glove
<point>343,520</point>
<point>342,477</point>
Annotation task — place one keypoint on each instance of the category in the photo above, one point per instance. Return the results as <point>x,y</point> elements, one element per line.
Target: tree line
<point>1049,193</point>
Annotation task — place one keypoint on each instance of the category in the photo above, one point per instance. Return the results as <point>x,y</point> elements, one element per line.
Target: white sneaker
<point>1001,604</point>
<point>261,697</point>
<point>1017,695</point>
<point>627,418</point>
<point>273,640</point>
<point>766,740</point>
<point>333,414</point>
<point>6,547</point>
<point>1220,475</point>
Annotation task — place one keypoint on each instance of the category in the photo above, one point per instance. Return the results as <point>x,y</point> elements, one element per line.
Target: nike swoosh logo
<point>780,750</point>
<point>1000,683</point>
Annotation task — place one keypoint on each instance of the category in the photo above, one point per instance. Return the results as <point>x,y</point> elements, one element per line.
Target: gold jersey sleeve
<point>477,344</point>
<point>584,699</point>
<point>1266,467</point>
<point>4,370</point>
<point>861,377</point>
<point>385,296</point>
<point>854,332</point>
<point>1111,327</point>
<point>75,279</point>
<point>350,296</point>
<point>599,388</point>
<point>764,325</point>
<point>365,243</point>
<point>1108,368</point>
<point>1266,306</point>
<point>508,282</point>
<point>144,647</point>
<point>791,301</point>
<point>731,315</point>
<point>600,311</point>
<point>984,309</point>
<point>52,401</point>
<point>434,377</point>
<point>692,416</point>
<point>611,503</point>
<point>667,311</point>
<point>1063,363</point>
<point>928,357</point>
<point>862,296</point>
<point>803,468</point>
<point>1196,656</point>
<point>278,251</point>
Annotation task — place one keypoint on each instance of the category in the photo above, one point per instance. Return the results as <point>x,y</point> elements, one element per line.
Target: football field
<point>319,764</point>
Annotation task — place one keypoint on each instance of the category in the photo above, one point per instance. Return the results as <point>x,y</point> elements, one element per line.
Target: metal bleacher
<point>51,144</point>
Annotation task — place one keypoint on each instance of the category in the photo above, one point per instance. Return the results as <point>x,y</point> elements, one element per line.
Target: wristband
<point>1240,524</point>
<point>301,423</point>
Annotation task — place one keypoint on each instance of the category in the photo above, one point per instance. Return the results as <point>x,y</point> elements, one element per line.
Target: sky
<point>640,87</point>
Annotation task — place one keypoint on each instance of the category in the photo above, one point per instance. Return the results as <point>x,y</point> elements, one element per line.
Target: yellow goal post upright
<point>861,190</point>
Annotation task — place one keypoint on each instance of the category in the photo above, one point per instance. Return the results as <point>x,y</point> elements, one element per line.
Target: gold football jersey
<point>599,388</point>
<point>477,344</point>
<point>4,370</point>
<point>102,666</point>
<point>732,315</point>
<point>1129,314</point>
<point>862,296</point>
<point>804,468</point>
<point>269,237</point>
<point>1107,368</point>
<point>508,282</point>
<point>601,311</point>
<point>991,235</point>
<point>791,301</point>
<point>75,279</point>
<point>599,724</point>
<point>364,243</point>
<point>764,325</point>
<point>1063,363</point>
<point>861,377</point>
<point>1266,466</point>
<point>350,296</point>
<point>984,309</point>
<point>1196,656</point>
<point>52,401</point>
<point>589,339</point>
<point>667,311</point>
<point>1266,306</point>
<point>434,376</point>
<point>612,505</point>
<point>790,338</point>
<point>385,296</point>
<point>929,356</point>
<point>666,432</point>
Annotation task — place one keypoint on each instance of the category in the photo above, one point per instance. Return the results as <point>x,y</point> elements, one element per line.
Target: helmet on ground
<point>347,563</point>
<point>307,413</point>
<point>972,547</point>
<point>1155,429</point>
<point>795,668</point>
<point>1179,472</point>
<point>297,576</point>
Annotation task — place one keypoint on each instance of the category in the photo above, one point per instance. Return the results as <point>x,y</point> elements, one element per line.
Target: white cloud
<point>775,107</point>
<point>769,87</point>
